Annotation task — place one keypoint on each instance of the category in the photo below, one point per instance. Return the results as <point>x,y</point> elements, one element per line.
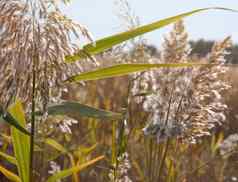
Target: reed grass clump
<point>186,103</point>
<point>35,37</point>
<point>158,125</point>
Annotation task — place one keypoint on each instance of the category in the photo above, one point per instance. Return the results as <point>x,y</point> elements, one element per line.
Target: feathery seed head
<point>35,32</point>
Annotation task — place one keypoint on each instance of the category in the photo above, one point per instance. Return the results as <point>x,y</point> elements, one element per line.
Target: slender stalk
<point>155,161</point>
<point>32,122</point>
<point>126,110</point>
<point>167,141</point>
<point>150,159</point>
<point>159,158</point>
<point>114,151</point>
<point>34,59</point>
<point>170,177</point>
<point>120,141</point>
<point>73,164</point>
<point>163,158</point>
<point>146,159</point>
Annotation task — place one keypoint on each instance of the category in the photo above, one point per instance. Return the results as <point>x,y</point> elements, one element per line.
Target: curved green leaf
<point>56,145</point>
<point>6,138</point>
<point>7,117</point>
<point>9,175</point>
<point>123,69</point>
<point>108,42</point>
<point>9,158</point>
<point>67,172</point>
<point>75,109</point>
<point>21,142</point>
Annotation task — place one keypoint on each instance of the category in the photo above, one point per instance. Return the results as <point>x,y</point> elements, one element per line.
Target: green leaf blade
<point>108,42</point>
<point>7,117</point>
<point>21,142</point>
<point>67,172</point>
<point>124,69</point>
<point>9,158</point>
<point>9,175</point>
<point>80,110</point>
<point>54,144</point>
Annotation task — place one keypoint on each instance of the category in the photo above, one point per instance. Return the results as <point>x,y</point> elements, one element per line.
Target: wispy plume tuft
<point>35,31</point>
<point>184,103</point>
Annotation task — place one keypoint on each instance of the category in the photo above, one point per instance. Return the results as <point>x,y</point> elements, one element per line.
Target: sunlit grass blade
<point>6,138</point>
<point>123,69</point>
<point>9,175</point>
<point>87,150</point>
<point>67,172</point>
<point>8,158</point>
<point>56,145</point>
<point>75,109</point>
<point>108,42</point>
<point>21,142</point>
<point>7,117</point>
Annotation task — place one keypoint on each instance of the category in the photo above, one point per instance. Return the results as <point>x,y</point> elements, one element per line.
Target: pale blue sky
<point>100,17</point>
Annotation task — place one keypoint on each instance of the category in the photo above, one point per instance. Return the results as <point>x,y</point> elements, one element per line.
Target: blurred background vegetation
<point>142,157</point>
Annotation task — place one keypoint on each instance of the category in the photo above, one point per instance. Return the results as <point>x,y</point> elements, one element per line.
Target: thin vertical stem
<point>167,141</point>
<point>32,122</point>
<point>163,158</point>
<point>34,59</point>
<point>114,150</point>
<point>150,159</point>
<point>73,164</point>
<point>155,161</point>
<point>170,177</point>
<point>159,157</point>
<point>146,158</point>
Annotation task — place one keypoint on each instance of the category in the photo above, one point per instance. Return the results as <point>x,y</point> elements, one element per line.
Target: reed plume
<point>184,103</point>
<point>35,31</point>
